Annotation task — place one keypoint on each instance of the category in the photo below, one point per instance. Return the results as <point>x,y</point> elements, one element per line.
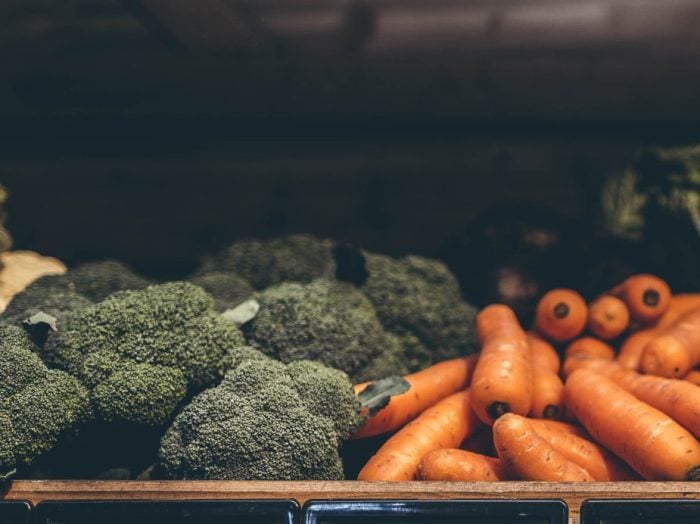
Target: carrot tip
<point>693,473</point>
<point>651,297</point>
<point>498,409</point>
<point>561,310</point>
<point>551,412</point>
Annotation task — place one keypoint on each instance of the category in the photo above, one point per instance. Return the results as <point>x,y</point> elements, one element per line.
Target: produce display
<point>243,374</point>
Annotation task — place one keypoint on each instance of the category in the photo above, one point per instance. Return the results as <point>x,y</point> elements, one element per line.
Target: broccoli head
<point>420,297</point>
<point>331,322</point>
<point>226,288</point>
<point>97,280</point>
<point>264,263</point>
<point>264,421</point>
<point>37,405</point>
<point>140,352</point>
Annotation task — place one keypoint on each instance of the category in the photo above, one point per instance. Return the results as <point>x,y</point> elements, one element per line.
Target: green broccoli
<point>227,289</point>
<point>38,406</point>
<point>419,300</point>
<point>265,421</point>
<point>97,280</point>
<point>54,295</point>
<point>331,322</point>
<point>264,263</point>
<point>140,352</point>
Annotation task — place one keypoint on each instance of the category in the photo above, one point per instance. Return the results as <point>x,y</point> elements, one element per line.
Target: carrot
<point>608,317</point>
<point>679,399</point>
<point>428,386</point>
<point>547,393</point>
<point>674,351</point>
<point>444,425</point>
<point>595,459</point>
<point>647,296</point>
<point>457,465</point>
<point>590,347</point>
<point>502,379</point>
<point>543,353</point>
<point>693,377</point>
<point>647,439</point>
<point>562,427</point>
<point>528,456</point>
<point>561,315</point>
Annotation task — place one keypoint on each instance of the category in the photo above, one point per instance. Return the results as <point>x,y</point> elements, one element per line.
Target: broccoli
<point>265,421</point>
<point>295,258</point>
<point>226,288</point>
<point>331,322</point>
<point>140,352</point>
<point>420,297</point>
<point>38,406</point>
<point>97,280</point>
<point>54,295</point>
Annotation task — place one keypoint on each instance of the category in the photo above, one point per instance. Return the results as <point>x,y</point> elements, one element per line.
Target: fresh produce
<point>140,352</point>
<point>608,317</point>
<point>265,263</point>
<point>647,297</point>
<point>561,314</point>
<point>426,388</point>
<point>332,322</point>
<point>502,380</point>
<point>460,466</point>
<point>445,425</point>
<point>97,280</point>
<point>547,391</point>
<point>38,406</point>
<point>544,353</point>
<point>647,439</point>
<point>693,377</point>
<point>227,289</point>
<point>675,350</point>
<point>266,420</point>
<point>528,456</point>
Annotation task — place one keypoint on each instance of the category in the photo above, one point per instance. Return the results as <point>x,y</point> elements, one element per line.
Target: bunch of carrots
<point>605,391</point>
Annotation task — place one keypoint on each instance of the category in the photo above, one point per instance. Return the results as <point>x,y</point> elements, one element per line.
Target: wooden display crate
<point>573,494</point>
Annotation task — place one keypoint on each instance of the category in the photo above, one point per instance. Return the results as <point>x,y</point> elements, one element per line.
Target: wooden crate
<point>573,493</point>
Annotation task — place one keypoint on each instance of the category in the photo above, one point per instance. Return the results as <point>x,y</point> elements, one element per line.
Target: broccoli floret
<point>265,421</point>
<point>37,405</point>
<point>227,289</point>
<point>330,322</point>
<point>420,297</point>
<point>54,295</point>
<point>97,280</point>
<point>141,352</point>
<point>264,263</point>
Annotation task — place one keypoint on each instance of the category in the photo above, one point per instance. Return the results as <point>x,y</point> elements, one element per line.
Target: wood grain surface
<point>573,493</point>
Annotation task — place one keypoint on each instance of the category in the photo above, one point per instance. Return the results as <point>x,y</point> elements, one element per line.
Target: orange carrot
<point>428,386</point>
<point>674,351</point>
<point>595,459</point>
<point>547,394</point>
<point>444,425</point>
<point>561,315</point>
<point>457,465</point>
<point>608,317</point>
<point>647,296</point>
<point>590,347</point>
<point>693,377</point>
<point>647,439</point>
<point>679,399</point>
<point>562,427</point>
<point>502,379</point>
<point>543,353</point>
<point>630,354</point>
<point>528,456</point>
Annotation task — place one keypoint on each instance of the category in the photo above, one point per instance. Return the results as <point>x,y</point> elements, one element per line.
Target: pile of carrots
<point>605,391</point>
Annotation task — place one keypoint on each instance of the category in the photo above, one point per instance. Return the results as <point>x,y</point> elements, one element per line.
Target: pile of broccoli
<point>271,399</point>
<point>38,406</point>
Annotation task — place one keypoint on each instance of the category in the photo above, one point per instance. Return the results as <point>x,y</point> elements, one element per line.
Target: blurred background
<point>529,143</point>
